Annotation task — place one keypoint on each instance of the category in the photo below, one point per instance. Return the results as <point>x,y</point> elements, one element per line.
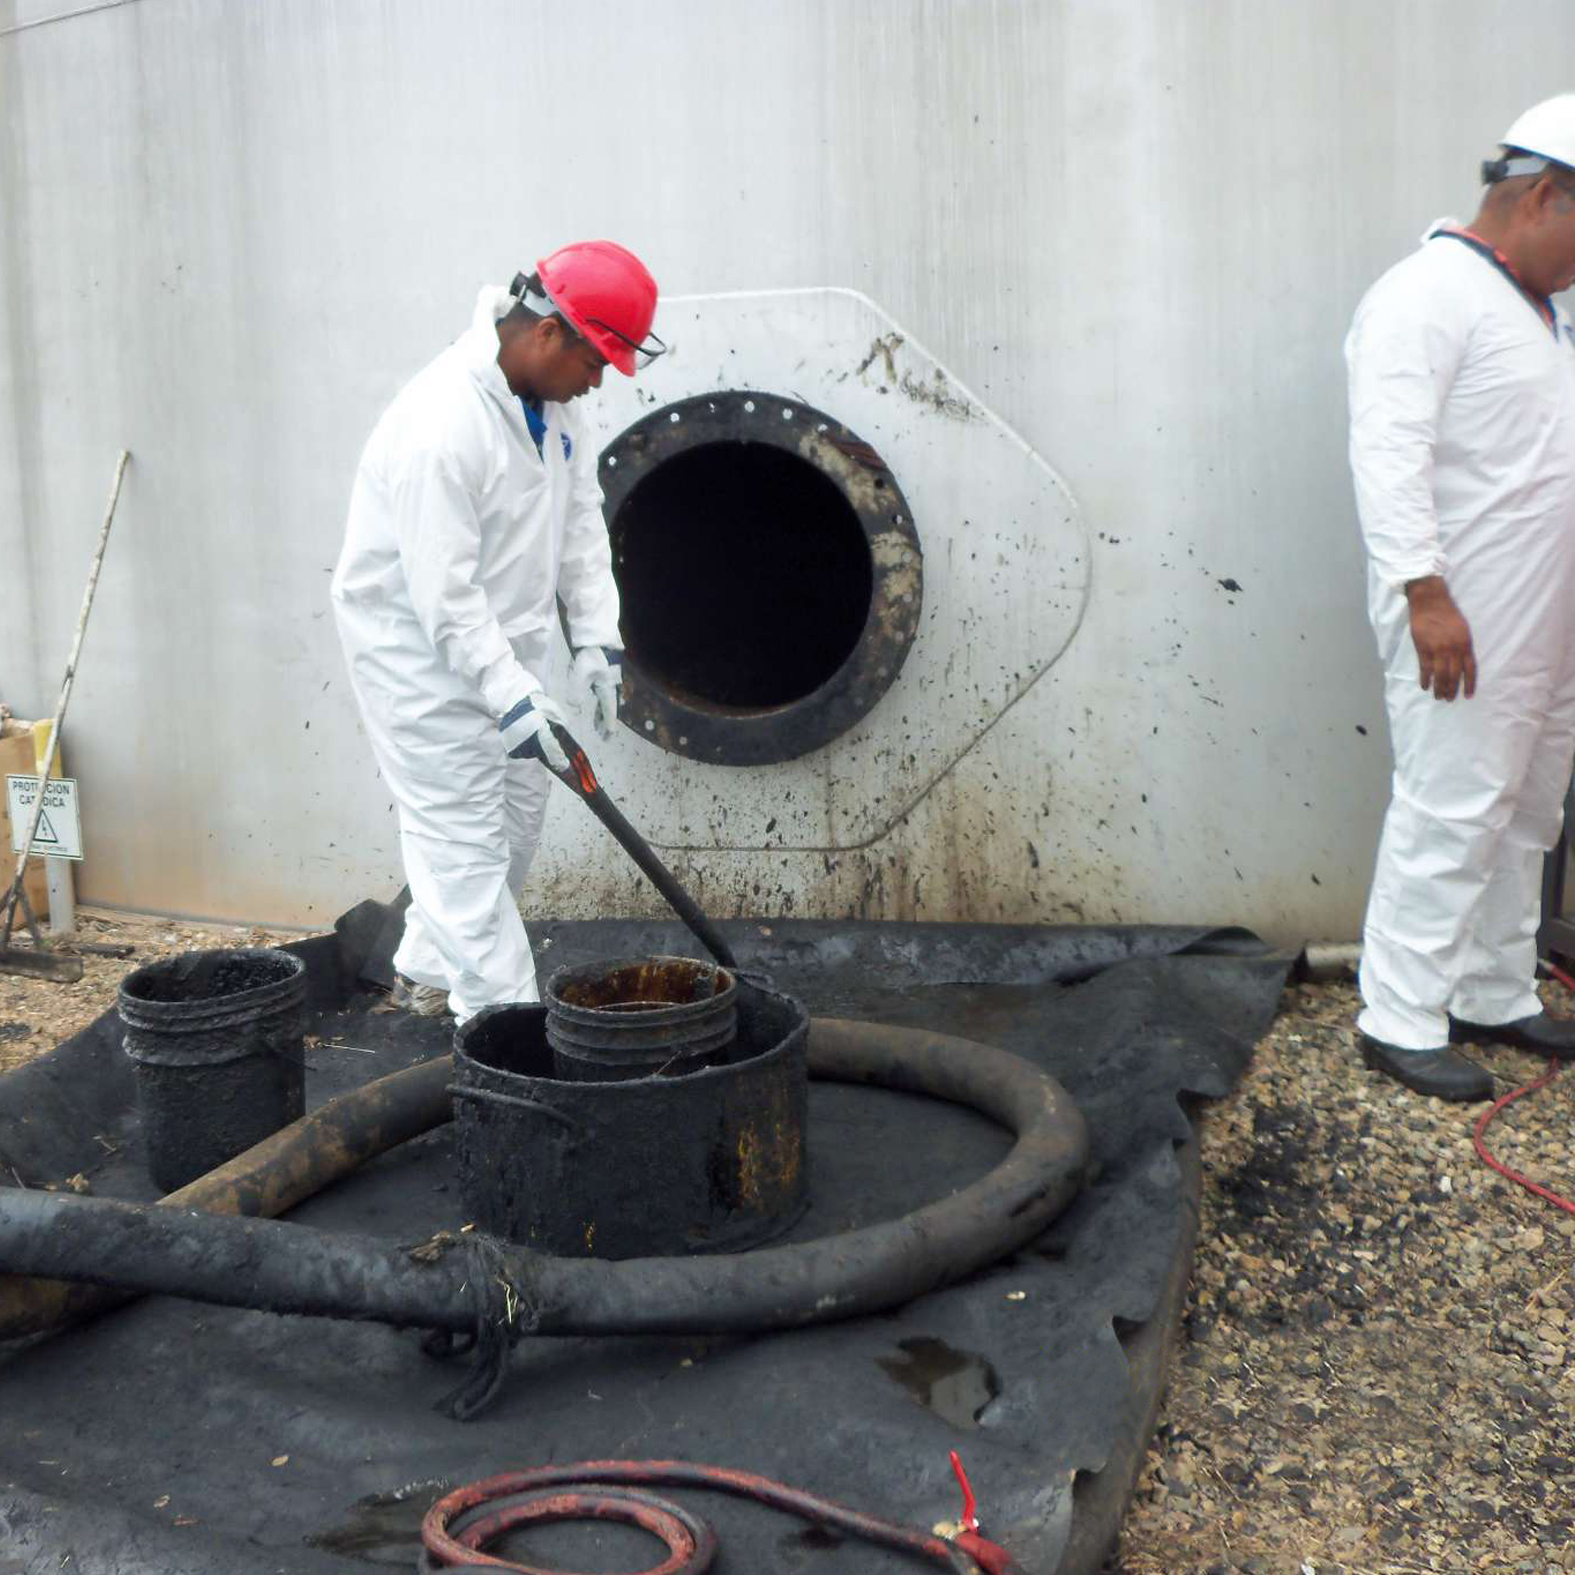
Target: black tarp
<point>145,1442</point>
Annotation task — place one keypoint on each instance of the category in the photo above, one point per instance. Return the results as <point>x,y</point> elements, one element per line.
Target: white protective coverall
<point>461,538</point>
<point>1463,453</point>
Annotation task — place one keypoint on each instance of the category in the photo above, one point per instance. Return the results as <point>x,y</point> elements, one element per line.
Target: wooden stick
<point>60,707</point>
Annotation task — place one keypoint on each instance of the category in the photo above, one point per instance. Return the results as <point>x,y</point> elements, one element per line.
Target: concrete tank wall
<point>1135,229</point>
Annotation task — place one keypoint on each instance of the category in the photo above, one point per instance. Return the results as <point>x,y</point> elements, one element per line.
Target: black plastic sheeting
<point>146,1443</point>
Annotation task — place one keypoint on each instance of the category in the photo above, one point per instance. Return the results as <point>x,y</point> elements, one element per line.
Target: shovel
<point>581,781</point>
<point>36,960</point>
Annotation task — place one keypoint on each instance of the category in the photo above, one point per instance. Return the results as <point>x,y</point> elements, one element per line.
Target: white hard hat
<point>1547,129</point>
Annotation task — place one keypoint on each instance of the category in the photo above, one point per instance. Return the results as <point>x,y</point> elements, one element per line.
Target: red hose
<point>1487,1115</point>
<point>603,1489</point>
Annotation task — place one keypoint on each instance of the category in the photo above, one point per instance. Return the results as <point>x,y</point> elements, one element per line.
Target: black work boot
<point>1539,1033</point>
<point>1441,1073</point>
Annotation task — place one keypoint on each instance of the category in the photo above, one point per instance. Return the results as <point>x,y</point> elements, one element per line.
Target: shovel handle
<point>580,779</point>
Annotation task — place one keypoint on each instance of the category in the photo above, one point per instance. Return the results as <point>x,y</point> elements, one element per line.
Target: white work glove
<point>598,669</point>
<point>527,732</point>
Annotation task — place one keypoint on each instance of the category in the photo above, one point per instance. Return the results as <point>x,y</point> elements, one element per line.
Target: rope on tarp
<point>507,1309</point>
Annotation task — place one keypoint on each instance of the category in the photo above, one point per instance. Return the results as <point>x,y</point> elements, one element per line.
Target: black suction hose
<point>497,1291</point>
<point>473,1284</point>
<point>268,1179</point>
<point>581,781</point>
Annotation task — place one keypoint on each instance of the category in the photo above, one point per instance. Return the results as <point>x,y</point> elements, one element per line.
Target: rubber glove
<point>527,732</point>
<point>599,669</point>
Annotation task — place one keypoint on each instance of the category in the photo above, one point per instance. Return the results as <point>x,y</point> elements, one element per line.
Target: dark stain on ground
<point>806,1549</point>
<point>11,1032</point>
<point>956,1385</point>
<point>816,1537</point>
<point>383,1528</point>
<point>1280,1204</point>
<point>1270,1195</point>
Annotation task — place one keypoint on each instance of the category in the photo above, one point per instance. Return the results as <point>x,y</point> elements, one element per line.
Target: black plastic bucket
<point>217,1040</point>
<point>640,1017</point>
<point>713,1162</point>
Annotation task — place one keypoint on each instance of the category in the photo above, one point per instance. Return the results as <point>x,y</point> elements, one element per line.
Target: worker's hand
<point>527,732</point>
<point>1442,638</point>
<point>599,669</point>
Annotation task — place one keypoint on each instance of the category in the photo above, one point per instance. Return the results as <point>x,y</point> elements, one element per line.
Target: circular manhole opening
<point>770,576</point>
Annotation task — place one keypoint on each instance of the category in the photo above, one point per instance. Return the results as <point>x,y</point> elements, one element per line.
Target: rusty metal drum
<point>711,1161</point>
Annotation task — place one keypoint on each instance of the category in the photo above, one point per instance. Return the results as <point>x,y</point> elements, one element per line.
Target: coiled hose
<point>496,1292</point>
<point>459,1526</point>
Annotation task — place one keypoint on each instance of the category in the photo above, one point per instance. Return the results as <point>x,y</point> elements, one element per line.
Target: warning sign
<point>59,833</point>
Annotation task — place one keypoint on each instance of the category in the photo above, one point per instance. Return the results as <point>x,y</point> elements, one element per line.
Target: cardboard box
<point>17,759</point>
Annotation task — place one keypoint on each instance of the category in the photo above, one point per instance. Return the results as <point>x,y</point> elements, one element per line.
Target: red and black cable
<point>609,1490</point>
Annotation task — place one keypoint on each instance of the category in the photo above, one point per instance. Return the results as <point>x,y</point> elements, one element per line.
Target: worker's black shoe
<point>1443,1073</point>
<point>1540,1033</point>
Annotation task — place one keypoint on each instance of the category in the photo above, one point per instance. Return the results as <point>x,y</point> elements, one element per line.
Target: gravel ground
<point>1375,1371</point>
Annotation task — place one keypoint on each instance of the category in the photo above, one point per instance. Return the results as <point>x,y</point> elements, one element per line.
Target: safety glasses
<point>1510,165</point>
<point>644,354</point>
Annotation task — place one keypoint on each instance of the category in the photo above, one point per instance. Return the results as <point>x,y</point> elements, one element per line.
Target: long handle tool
<point>36,960</point>
<point>581,780</point>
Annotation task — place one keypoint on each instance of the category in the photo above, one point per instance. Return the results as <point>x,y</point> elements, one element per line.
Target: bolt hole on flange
<point>770,574</point>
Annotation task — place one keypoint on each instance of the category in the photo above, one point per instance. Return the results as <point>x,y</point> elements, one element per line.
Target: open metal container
<point>711,1161</point>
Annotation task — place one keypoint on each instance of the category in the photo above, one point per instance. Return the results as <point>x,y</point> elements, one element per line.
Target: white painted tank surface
<point>1074,272</point>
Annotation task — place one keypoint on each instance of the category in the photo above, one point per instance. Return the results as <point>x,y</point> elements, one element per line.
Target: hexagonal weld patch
<point>977,563</point>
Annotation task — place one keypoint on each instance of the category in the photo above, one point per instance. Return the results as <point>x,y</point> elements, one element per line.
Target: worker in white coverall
<point>475,511</point>
<point>1462,390</point>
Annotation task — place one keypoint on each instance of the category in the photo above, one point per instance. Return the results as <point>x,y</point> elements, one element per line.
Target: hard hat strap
<point>533,295</point>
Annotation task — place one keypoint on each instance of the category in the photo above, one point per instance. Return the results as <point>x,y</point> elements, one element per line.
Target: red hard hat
<point>608,296</point>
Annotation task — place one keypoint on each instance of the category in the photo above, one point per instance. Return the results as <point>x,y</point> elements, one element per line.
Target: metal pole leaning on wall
<point>16,894</point>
